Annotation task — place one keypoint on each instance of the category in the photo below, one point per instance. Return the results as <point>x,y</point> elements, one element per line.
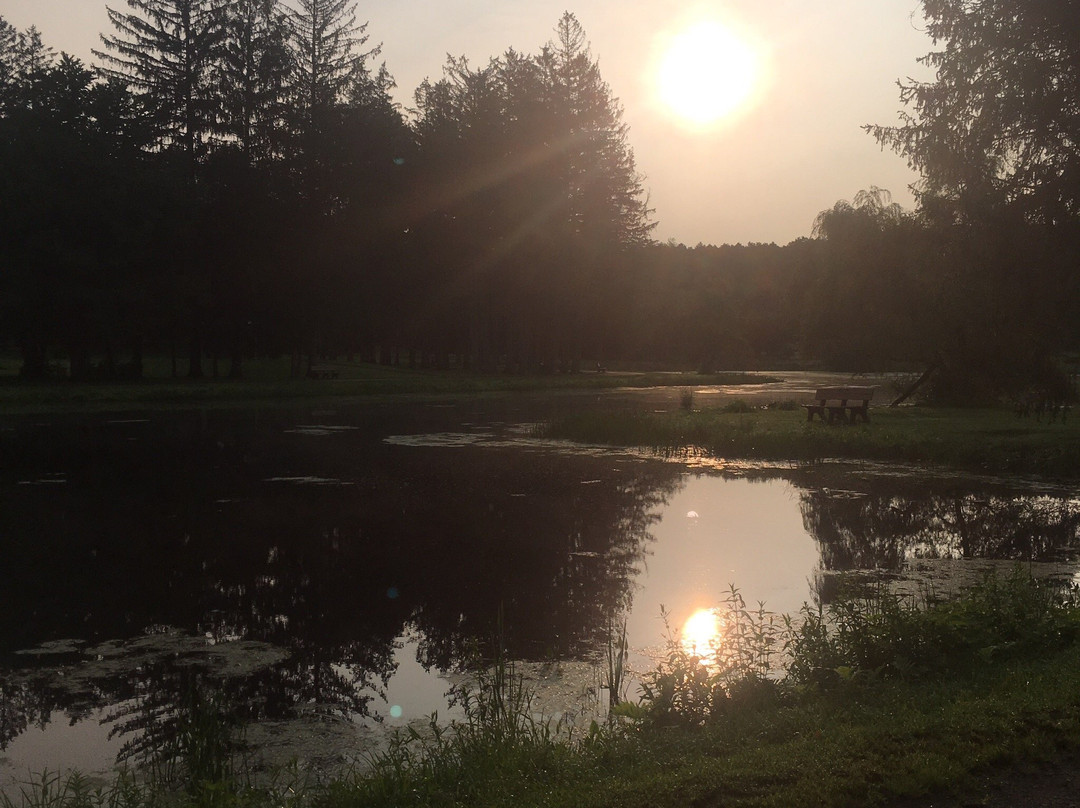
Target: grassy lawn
<point>267,381</point>
<point>991,440</point>
<point>848,748</point>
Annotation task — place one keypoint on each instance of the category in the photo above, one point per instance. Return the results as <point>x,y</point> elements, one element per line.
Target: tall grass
<point>928,690</point>
<point>890,635</point>
<point>759,658</point>
<point>500,737</point>
<point>617,648</point>
<point>738,669</point>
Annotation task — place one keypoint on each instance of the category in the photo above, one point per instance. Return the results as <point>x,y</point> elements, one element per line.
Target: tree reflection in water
<point>321,548</point>
<point>865,530</point>
<point>228,539</point>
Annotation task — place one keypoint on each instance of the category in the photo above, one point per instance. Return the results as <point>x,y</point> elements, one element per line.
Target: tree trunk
<point>137,359</point>
<point>918,383</point>
<point>80,364</point>
<point>110,361</point>
<point>33,360</point>
<point>195,370</point>
<point>235,360</point>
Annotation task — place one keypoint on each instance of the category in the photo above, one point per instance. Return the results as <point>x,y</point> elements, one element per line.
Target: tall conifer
<point>253,75</point>
<point>166,50</point>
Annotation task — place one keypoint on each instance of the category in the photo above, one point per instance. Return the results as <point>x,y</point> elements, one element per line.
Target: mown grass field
<point>267,381</point>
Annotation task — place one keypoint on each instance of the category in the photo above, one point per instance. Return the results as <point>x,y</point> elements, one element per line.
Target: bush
<point>692,688</point>
<point>891,635</point>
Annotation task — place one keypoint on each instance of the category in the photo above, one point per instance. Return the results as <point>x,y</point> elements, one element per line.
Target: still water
<point>329,574</point>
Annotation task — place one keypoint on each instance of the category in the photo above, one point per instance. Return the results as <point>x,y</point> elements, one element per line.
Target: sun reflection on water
<point>701,633</point>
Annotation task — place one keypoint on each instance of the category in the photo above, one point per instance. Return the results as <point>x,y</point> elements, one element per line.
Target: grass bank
<point>267,381</point>
<point>882,699</point>
<point>990,440</point>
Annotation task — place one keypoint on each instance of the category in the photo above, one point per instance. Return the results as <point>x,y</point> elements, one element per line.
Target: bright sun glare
<point>706,72</point>
<point>701,633</point>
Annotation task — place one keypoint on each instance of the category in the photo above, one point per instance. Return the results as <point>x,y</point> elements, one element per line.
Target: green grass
<point>873,731</point>
<point>991,440</point>
<point>870,733</point>
<point>894,740</point>
<point>267,381</point>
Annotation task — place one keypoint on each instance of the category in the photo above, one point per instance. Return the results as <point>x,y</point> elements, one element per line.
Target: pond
<point>328,574</point>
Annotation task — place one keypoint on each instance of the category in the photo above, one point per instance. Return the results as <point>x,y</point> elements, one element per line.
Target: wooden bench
<point>845,405</point>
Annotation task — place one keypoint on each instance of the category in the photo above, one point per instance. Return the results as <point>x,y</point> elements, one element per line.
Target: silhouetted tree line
<point>235,180</point>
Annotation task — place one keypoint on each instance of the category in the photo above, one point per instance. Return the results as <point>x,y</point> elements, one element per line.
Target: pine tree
<point>24,62</point>
<point>534,194</point>
<point>253,77</point>
<point>602,184</point>
<point>326,44</point>
<point>325,39</point>
<point>166,50</point>
<point>9,66</point>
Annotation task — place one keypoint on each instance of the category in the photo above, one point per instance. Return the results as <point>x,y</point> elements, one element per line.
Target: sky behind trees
<point>761,175</point>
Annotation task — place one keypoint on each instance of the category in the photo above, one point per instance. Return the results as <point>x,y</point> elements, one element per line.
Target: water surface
<point>328,574</point>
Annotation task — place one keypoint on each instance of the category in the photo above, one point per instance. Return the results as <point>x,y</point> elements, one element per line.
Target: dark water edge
<point>317,569</point>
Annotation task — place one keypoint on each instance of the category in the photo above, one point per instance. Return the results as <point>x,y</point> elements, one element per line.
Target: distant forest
<point>234,180</point>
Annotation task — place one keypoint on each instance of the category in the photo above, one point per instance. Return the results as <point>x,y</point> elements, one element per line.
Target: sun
<point>706,73</point>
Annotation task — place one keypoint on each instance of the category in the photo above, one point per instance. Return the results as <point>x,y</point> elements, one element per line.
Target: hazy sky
<point>763,174</point>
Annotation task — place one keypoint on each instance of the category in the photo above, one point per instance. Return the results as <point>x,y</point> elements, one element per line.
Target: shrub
<point>691,688</point>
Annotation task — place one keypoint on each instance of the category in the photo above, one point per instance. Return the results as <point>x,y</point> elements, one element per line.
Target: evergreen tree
<point>9,38</point>
<point>996,138</point>
<point>1001,119</point>
<point>534,196</point>
<point>167,51</point>
<point>325,40</point>
<point>606,211</point>
<point>253,75</point>
<point>603,187</point>
<point>24,61</point>
<point>76,220</point>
